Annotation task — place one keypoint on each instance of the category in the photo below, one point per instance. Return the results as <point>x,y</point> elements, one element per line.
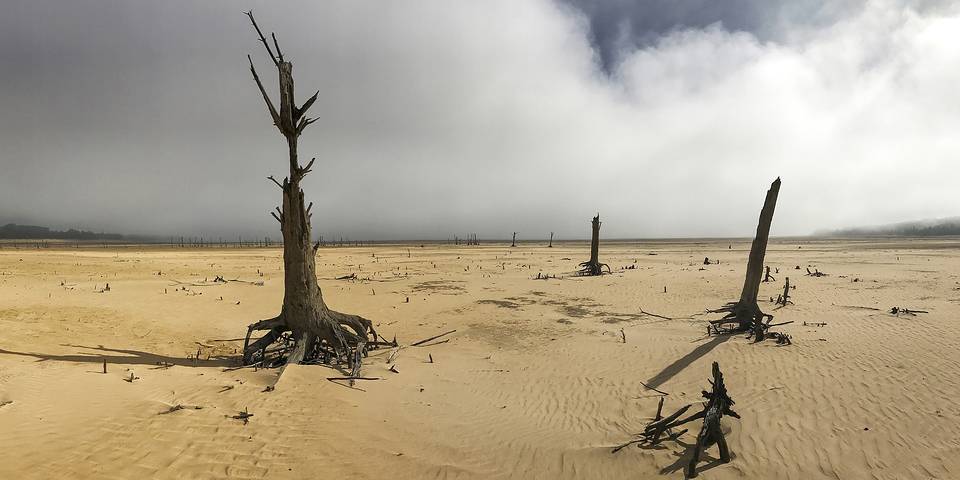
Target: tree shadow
<point>707,461</point>
<point>683,362</point>
<point>118,356</point>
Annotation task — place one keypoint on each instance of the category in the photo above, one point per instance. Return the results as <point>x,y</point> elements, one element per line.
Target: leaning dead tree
<point>306,330</point>
<point>718,404</point>
<point>593,266</point>
<point>745,315</point>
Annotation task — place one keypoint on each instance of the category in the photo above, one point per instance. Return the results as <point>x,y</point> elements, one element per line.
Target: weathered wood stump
<point>718,404</point>
<point>767,277</point>
<point>785,298</point>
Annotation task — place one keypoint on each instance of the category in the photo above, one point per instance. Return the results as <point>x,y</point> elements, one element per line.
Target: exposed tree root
<point>592,268</point>
<point>342,340</point>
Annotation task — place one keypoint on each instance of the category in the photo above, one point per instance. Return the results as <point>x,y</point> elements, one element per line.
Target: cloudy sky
<point>669,117</point>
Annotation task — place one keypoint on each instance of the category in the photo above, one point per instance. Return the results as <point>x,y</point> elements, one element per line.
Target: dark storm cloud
<point>618,27</point>
<point>438,118</point>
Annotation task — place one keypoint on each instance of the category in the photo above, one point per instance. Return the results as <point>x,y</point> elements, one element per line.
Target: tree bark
<point>751,282</point>
<point>315,329</point>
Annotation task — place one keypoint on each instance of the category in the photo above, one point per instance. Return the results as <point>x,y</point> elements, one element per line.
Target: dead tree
<point>550,245</point>
<point>306,330</point>
<point>767,277</point>
<point>718,404</point>
<point>745,315</point>
<point>593,266</point>
<point>514,244</point>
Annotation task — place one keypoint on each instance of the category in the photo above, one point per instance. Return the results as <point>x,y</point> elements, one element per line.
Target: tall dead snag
<point>305,330</point>
<point>514,244</point>
<point>593,266</point>
<point>745,315</point>
<point>718,404</point>
<point>550,245</point>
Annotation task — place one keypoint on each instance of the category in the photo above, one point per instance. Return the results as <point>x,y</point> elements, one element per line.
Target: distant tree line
<point>33,232</point>
<point>927,228</point>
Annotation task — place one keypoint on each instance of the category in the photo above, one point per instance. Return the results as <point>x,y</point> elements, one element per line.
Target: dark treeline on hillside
<point>924,228</point>
<point>33,232</point>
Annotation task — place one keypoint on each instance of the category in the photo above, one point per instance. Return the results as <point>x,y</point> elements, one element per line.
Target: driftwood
<point>243,416</point>
<point>815,273</point>
<point>718,404</point>
<point>305,330</point>
<point>906,311</point>
<point>745,315</point>
<point>421,342</point>
<point>177,407</point>
<point>593,266</point>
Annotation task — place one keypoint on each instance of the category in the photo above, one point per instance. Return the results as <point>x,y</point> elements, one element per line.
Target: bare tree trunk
<point>551,240</point>
<point>746,314</point>
<point>317,332</point>
<point>751,282</point>
<point>514,244</point>
<point>593,266</point>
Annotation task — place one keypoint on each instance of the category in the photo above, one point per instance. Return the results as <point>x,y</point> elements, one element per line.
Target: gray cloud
<point>438,118</point>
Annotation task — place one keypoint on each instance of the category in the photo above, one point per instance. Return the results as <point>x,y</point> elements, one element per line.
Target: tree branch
<point>306,106</point>
<point>308,168</point>
<point>263,40</point>
<point>277,46</point>
<point>266,98</point>
<point>304,122</point>
<point>274,215</point>
<point>275,181</point>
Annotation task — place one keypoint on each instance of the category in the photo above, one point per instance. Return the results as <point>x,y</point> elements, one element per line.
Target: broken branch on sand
<point>648,387</point>
<point>179,406</point>
<point>421,342</point>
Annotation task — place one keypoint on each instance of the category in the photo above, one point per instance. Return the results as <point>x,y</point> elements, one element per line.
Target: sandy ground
<point>535,383</point>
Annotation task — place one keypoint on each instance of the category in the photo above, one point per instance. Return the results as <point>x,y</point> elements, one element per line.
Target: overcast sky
<point>668,117</point>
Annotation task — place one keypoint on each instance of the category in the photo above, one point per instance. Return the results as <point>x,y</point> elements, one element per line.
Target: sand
<point>535,383</point>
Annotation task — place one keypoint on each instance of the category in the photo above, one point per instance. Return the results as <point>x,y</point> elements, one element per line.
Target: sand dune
<point>535,383</point>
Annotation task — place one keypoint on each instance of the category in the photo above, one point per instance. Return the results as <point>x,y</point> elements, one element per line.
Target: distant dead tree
<point>514,244</point>
<point>306,330</point>
<point>550,245</point>
<point>593,266</point>
<point>745,315</point>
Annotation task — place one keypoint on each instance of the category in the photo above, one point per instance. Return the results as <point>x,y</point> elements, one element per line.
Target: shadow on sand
<point>683,459</point>
<point>683,362</point>
<point>117,356</point>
